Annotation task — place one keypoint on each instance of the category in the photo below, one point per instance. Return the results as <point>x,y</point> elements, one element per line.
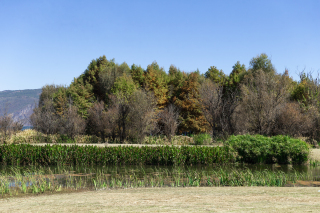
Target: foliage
<point>260,149</point>
<point>137,74</point>
<point>236,76</point>
<point>192,118</point>
<point>82,96</point>
<point>25,154</point>
<point>123,87</point>
<point>156,81</point>
<point>253,100</point>
<point>262,62</point>
<point>202,139</point>
<point>215,75</point>
<point>307,91</point>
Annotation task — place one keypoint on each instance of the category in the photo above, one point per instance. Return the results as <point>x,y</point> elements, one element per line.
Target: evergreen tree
<point>262,62</point>
<point>217,76</point>
<point>192,119</point>
<point>156,80</point>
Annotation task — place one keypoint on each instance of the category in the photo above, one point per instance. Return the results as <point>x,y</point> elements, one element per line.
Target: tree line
<point>121,103</point>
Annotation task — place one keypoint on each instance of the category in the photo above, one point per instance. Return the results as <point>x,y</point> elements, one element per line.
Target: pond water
<point>54,178</point>
<point>141,171</point>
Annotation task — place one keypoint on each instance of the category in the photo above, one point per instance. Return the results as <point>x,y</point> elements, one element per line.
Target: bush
<point>260,149</point>
<point>201,139</point>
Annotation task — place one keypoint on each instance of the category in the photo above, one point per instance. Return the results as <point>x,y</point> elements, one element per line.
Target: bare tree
<point>44,118</point>
<point>118,112</point>
<point>293,121</point>
<point>211,103</point>
<point>8,126</point>
<point>112,120</point>
<point>142,114</point>
<point>169,120</point>
<point>71,123</point>
<point>218,104</point>
<point>98,121</point>
<point>264,97</point>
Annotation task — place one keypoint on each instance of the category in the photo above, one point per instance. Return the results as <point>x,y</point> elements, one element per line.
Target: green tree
<point>156,80</point>
<point>137,74</point>
<point>82,96</point>
<point>262,62</point>
<point>47,93</point>
<point>60,101</point>
<point>236,75</point>
<point>91,74</point>
<point>307,91</point>
<point>217,76</point>
<point>176,79</point>
<point>124,86</point>
<point>192,119</point>
<point>108,76</point>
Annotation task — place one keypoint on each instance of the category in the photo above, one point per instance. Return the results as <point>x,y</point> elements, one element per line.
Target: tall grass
<point>25,154</point>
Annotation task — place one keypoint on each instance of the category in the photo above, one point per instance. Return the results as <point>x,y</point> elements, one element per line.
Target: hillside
<point>19,103</point>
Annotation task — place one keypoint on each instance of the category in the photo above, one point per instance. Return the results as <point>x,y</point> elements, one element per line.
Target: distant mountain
<point>19,103</point>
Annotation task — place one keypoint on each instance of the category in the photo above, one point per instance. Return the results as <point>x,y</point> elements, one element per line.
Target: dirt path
<point>207,199</point>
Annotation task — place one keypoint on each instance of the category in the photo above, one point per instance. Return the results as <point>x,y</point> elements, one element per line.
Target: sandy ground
<point>206,199</point>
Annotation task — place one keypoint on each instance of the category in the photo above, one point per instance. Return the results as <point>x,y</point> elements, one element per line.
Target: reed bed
<point>25,154</point>
<point>37,181</point>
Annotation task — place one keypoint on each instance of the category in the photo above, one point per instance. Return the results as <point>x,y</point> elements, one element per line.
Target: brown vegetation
<point>8,127</point>
<point>169,121</point>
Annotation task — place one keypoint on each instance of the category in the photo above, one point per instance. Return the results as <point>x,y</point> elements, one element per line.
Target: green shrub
<point>65,139</point>
<point>260,149</point>
<point>201,139</point>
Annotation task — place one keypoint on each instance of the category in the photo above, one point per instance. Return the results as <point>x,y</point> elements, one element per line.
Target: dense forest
<point>121,103</point>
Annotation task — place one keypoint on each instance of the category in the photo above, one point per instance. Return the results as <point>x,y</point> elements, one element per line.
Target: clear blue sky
<point>45,42</point>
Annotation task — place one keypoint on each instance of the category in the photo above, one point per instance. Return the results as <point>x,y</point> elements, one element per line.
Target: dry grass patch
<point>315,154</point>
<point>203,199</point>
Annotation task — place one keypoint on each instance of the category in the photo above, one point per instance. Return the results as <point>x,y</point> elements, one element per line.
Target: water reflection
<point>60,171</point>
<point>37,179</point>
